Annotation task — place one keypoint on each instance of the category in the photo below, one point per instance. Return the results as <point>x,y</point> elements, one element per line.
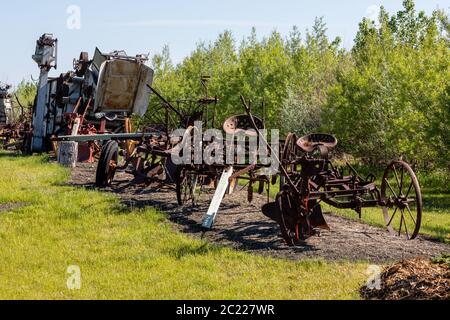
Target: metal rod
<point>106,136</point>
<point>166,102</point>
<point>252,120</point>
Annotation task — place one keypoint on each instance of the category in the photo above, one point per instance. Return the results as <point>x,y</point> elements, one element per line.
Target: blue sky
<point>146,26</point>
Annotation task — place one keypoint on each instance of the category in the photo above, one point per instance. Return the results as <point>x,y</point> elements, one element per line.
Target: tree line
<point>386,97</point>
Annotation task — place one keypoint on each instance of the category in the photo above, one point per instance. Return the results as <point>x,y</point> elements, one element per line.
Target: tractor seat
<point>311,141</point>
<point>242,123</point>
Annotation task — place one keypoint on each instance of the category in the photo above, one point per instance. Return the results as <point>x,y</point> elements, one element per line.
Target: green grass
<point>132,254</point>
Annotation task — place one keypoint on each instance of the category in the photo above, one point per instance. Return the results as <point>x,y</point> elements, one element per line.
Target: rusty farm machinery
<point>306,175</point>
<point>308,179</point>
<point>99,96</point>
<point>147,155</point>
<point>14,125</point>
<point>92,105</point>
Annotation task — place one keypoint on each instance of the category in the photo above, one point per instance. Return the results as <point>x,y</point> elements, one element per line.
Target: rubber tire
<point>110,151</point>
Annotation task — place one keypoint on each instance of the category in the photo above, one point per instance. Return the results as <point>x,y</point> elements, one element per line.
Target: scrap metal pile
<point>98,96</point>
<point>412,280</point>
<point>91,107</point>
<point>14,125</point>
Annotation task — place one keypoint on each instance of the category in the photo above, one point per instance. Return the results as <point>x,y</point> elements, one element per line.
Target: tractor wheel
<point>107,164</point>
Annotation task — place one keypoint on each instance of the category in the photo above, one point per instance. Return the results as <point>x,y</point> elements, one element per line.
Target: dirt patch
<point>10,206</point>
<point>242,226</point>
<point>412,280</point>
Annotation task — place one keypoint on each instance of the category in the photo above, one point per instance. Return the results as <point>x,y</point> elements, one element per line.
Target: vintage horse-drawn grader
<point>309,178</point>
<point>307,175</point>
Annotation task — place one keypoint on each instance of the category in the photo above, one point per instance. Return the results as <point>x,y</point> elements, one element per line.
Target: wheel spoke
<point>410,213</point>
<point>406,228</point>
<point>396,178</point>
<point>401,181</point>
<point>401,222</point>
<point>392,190</point>
<point>392,218</point>
<point>409,189</point>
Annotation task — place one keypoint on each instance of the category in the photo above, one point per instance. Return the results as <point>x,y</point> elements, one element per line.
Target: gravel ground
<point>242,226</point>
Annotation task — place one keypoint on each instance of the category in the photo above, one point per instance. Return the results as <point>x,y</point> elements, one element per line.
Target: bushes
<point>386,97</point>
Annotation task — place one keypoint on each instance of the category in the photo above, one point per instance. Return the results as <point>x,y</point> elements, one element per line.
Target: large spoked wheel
<point>107,164</point>
<point>186,184</point>
<point>288,156</point>
<point>289,219</point>
<point>402,200</point>
<point>289,153</point>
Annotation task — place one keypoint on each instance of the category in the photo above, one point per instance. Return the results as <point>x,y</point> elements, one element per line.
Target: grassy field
<point>47,226</point>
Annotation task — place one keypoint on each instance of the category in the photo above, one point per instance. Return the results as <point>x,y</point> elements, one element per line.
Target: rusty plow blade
<point>317,220</point>
<point>271,210</point>
<point>294,225</point>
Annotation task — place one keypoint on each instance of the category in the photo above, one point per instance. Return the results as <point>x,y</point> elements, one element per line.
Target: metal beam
<point>106,136</point>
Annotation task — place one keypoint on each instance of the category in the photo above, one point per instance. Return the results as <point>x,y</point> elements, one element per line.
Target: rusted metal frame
<point>350,204</point>
<point>284,172</point>
<point>166,102</point>
<point>241,172</point>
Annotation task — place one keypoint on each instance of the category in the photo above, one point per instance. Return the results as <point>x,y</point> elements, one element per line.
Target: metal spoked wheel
<point>107,164</point>
<point>402,200</point>
<point>288,156</point>
<point>289,153</point>
<point>288,218</point>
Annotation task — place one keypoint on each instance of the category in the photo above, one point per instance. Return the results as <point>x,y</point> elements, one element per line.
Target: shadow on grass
<point>442,234</point>
<point>11,155</point>
<point>182,251</point>
<point>437,201</point>
<point>241,235</point>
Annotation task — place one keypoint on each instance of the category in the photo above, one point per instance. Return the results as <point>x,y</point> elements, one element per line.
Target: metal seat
<point>311,141</point>
<point>242,123</point>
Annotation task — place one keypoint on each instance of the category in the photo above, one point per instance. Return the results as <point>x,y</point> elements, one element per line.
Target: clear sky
<point>146,26</point>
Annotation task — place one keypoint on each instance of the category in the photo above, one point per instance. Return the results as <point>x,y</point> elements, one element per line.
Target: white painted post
<point>37,143</point>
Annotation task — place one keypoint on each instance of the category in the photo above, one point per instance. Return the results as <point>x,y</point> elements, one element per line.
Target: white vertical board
<point>210,217</point>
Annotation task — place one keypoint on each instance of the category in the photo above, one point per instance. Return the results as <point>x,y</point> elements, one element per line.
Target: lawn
<point>47,226</point>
